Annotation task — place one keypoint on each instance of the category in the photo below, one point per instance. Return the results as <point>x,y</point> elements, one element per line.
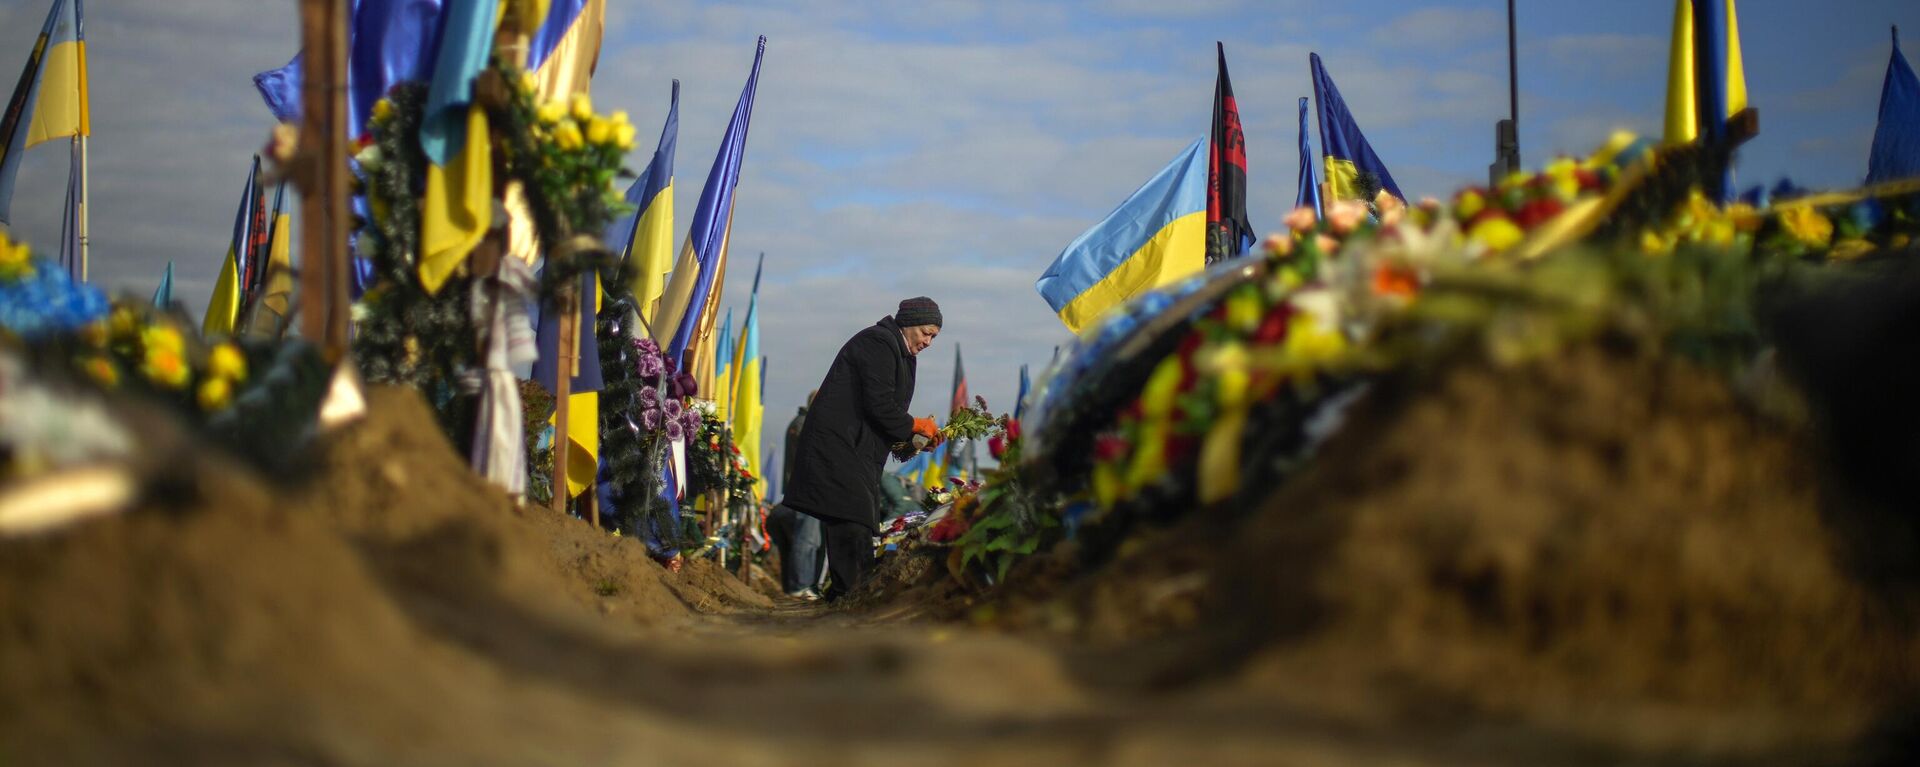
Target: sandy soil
<point>1603,562</point>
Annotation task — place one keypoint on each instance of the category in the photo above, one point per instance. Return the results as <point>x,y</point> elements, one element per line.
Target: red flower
<point>1109,447</point>
<point>948,529</point>
<point>1013,428</point>
<point>1588,180</point>
<point>1537,212</point>
<point>997,446</point>
<point>1273,329</point>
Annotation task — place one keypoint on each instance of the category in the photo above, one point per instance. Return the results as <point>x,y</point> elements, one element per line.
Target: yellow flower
<point>619,117</point>
<point>215,393</point>
<point>166,368</point>
<point>1228,365</point>
<point>382,110</point>
<point>567,136</point>
<point>599,132</point>
<point>1496,234</point>
<point>1654,243</point>
<point>1470,203</point>
<point>582,107</point>
<point>529,83</point>
<point>1744,217</point>
<point>1807,225</point>
<point>1310,342</point>
<point>226,361</point>
<point>623,134</point>
<point>15,261</point>
<point>550,112</point>
<point>1244,309</point>
<point>162,337</point>
<point>102,371</point>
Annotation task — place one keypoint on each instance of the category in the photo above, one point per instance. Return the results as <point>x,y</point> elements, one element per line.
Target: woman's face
<point>919,337</point>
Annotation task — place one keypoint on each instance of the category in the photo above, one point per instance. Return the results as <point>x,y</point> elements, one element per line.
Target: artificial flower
<point>102,371</point>
<point>582,107</point>
<point>650,418</point>
<point>1301,219</point>
<point>1344,216</point>
<point>623,135</point>
<point>650,366</point>
<point>226,361</point>
<point>529,83</point>
<point>1809,226</point>
<point>1496,233</point>
<point>649,398</point>
<point>1468,204</point>
<point>672,409</point>
<point>382,110</point>
<point>166,367</point>
<point>162,337</point>
<point>1278,244</point>
<point>1395,281</point>
<point>599,132</point>
<point>568,137</point>
<point>214,393</point>
<point>15,261</point>
<point>675,431</point>
<point>550,113</point>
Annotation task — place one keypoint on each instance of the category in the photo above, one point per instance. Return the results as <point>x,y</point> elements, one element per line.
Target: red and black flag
<point>1229,233</point>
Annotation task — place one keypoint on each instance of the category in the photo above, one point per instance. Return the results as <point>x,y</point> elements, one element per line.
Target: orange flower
<point>1396,281</point>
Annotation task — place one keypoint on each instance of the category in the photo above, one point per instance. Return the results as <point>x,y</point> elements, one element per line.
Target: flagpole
<point>82,141</point>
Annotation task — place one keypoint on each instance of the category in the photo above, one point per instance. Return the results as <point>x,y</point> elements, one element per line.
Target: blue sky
<point>952,147</point>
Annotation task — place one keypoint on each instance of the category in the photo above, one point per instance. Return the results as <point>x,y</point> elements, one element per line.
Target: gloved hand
<point>925,427</point>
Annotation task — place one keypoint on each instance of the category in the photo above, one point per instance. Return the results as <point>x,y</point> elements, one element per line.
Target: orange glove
<point>925,428</point>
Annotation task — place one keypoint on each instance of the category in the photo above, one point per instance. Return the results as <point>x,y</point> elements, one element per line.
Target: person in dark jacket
<point>857,418</point>
<point>803,560</point>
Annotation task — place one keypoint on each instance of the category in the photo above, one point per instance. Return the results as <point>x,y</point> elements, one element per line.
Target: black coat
<point>859,414</point>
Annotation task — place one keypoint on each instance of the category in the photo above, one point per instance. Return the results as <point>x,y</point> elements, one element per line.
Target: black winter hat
<point>917,311</point>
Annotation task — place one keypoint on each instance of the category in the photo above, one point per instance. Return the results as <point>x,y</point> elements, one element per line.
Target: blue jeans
<point>802,557</point>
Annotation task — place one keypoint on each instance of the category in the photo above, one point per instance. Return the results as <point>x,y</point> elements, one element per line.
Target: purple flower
<point>646,347</point>
<point>688,388</point>
<point>650,419</point>
<point>649,397</point>
<point>672,408</point>
<point>674,430</point>
<point>693,421</point>
<point>651,367</point>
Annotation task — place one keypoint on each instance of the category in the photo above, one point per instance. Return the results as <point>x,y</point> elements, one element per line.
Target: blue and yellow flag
<point>722,394</point>
<point>1349,156</point>
<point>749,371</point>
<point>564,51</point>
<point>644,238</point>
<point>1308,192</point>
<point>223,308</point>
<point>458,205</point>
<point>1703,67</point>
<point>583,400</point>
<point>1157,236</point>
<point>1020,399</point>
<point>50,99</point>
<point>1896,139</point>
<point>685,317</point>
<point>388,42</point>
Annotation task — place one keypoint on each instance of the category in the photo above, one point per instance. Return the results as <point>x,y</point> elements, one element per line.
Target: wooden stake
<point>320,168</point>
<point>569,308</point>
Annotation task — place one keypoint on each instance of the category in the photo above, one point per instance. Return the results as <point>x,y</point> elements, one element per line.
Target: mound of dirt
<point>1602,544</point>
<point>238,604</point>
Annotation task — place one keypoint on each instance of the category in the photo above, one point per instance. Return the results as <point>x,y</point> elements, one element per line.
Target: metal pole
<point>1513,82</point>
<point>85,260</point>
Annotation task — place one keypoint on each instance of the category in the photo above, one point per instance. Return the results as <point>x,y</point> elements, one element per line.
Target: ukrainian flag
<point>1348,154</point>
<point>458,205</point>
<point>583,400</point>
<point>1308,193</point>
<point>644,239</point>
<point>748,371</point>
<point>1693,79</point>
<point>723,390</point>
<point>269,316</point>
<point>223,308</point>
<point>1157,236</point>
<point>686,314</point>
<point>51,99</point>
<point>1896,138</point>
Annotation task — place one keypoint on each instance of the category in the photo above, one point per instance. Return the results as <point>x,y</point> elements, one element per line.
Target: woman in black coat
<point>859,414</point>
